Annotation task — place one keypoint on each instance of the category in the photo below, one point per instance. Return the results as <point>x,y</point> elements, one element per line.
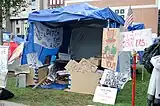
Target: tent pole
<point>108,23</point>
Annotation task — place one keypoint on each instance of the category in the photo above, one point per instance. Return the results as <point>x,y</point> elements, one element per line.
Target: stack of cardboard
<point>84,78</point>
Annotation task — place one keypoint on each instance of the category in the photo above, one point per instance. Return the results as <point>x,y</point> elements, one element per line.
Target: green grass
<point>42,97</point>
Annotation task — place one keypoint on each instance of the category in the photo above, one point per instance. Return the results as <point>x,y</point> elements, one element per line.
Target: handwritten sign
<point>110,47</point>
<point>136,40</point>
<point>114,79</point>
<point>105,95</point>
<point>47,37</point>
<point>3,65</point>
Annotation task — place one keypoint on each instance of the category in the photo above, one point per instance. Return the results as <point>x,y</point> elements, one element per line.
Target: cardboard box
<point>42,72</point>
<point>85,80</point>
<point>95,61</point>
<point>87,66</point>
<point>85,83</point>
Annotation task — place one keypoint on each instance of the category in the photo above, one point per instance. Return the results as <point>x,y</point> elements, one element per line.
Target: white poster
<point>136,40</point>
<point>3,65</point>
<point>114,79</point>
<point>32,60</point>
<point>105,95</point>
<point>47,37</point>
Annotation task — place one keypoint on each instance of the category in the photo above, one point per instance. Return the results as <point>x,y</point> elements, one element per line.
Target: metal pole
<point>134,79</point>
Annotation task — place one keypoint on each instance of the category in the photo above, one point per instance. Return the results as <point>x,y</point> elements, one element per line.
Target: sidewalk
<point>6,103</point>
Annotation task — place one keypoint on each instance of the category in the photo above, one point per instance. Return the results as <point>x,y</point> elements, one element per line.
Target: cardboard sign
<point>110,48</point>
<point>48,37</point>
<point>136,40</point>
<point>3,65</point>
<point>114,79</point>
<point>83,66</point>
<point>105,95</point>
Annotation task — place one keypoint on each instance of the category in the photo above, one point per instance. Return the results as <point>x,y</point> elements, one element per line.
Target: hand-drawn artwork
<point>114,79</point>
<point>32,60</point>
<point>110,48</point>
<point>48,37</point>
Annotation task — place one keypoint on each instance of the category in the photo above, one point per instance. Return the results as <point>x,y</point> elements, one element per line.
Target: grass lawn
<point>42,97</point>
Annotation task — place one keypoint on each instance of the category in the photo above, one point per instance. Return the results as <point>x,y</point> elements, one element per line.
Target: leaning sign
<point>3,65</point>
<point>105,95</point>
<point>136,40</point>
<point>110,46</point>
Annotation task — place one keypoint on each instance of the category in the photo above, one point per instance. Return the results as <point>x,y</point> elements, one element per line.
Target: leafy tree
<point>7,8</point>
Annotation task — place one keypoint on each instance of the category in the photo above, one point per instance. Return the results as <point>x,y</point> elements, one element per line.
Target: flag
<point>129,19</point>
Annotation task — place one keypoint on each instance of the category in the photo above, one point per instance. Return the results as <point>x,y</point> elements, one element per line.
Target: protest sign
<point>136,40</point>
<point>114,79</point>
<point>47,37</point>
<point>105,95</point>
<point>3,65</point>
<point>110,48</point>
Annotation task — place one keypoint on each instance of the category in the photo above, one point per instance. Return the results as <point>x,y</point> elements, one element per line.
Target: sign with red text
<point>110,46</point>
<point>136,40</point>
<point>105,95</point>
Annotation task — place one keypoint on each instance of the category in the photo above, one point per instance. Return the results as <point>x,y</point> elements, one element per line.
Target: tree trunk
<point>8,24</point>
<point>1,24</point>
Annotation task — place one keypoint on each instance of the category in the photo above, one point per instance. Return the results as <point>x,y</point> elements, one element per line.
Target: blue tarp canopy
<point>136,26</point>
<point>77,14</point>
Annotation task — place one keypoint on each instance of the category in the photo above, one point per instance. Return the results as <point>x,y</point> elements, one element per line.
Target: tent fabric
<point>136,26</point>
<point>18,39</point>
<point>13,46</point>
<point>75,12</point>
<point>78,13</point>
<point>86,42</point>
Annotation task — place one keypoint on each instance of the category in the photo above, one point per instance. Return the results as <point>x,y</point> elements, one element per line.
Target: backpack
<point>150,52</point>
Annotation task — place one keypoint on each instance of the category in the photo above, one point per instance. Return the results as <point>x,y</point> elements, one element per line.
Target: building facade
<point>145,11</point>
<point>19,22</point>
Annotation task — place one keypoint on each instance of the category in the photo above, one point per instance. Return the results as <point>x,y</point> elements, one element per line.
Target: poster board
<point>46,36</point>
<point>110,46</point>
<point>136,40</point>
<point>105,95</point>
<point>3,65</point>
<point>114,79</point>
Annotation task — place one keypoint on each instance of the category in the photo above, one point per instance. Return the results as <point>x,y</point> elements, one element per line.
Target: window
<point>55,3</point>
<point>122,11</point>
<point>17,30</point>
<point>117,11</point>
<point>17,22</point>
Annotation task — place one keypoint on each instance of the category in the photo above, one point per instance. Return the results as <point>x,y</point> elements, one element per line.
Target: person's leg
<point>157,92</point>
<point>150,100</point>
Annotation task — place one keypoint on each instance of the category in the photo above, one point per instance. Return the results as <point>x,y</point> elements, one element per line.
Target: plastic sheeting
<point>75,12</point>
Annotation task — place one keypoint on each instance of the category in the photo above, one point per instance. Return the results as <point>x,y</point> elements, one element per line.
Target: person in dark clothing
<point>5,94</point>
